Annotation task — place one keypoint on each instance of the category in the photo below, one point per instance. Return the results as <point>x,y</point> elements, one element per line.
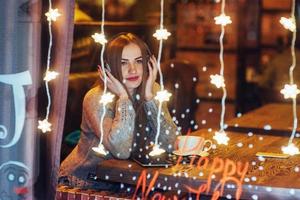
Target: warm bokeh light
<point>288,23</point>
<point>290,91</point>
<point>44,125</point>
<point>163,95</point>
<point>50,75</point>
<point>107,98</point>
<point>156,151</point>
<point>221,137</point>
<point>217,80</point>
<point>161,34</point>
<point>223,20</point>
<point>99,38</point>
<point>52,14</point>
<point>291,149</point>
<point>100,149</point>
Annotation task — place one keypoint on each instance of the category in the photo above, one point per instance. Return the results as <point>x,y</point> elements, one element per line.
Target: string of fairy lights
<point>218,79</point>
<point>52,15</point>
<point>290,91</point>
<point>106,97</point>
<point>162,95</point>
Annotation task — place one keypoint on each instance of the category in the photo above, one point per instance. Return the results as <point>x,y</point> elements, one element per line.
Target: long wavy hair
<point>113,57</point>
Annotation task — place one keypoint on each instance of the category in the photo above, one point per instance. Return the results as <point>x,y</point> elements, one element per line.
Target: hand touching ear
<point>113,84</point>
<point>152,67</point>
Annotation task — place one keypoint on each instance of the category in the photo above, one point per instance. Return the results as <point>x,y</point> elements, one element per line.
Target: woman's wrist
<point>149,97</point>
<point>123,96</point>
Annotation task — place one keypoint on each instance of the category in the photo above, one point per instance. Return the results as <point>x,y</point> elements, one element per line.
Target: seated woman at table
<point>130,122</point>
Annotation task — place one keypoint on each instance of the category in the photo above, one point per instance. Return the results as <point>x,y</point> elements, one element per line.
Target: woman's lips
<point>133,78</point>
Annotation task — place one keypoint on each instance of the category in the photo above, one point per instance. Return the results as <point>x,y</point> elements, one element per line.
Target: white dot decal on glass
<point>11,177</point>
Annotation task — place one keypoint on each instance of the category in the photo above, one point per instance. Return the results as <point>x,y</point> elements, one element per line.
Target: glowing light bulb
<point>223,20</point>
<point>288,23</point>
<point>221,137</point>
<point>107,98</point>
<point>291,149</point>
<point>50,75</point>
<point>156,151</point>
<point>99,38</point>
<point>100,149</point>
<point>161,34</point>
<point>290,91</point>
<point>163,95</point>
<point>44,125</point>
<point>52,14</point>
<point>217,80</point>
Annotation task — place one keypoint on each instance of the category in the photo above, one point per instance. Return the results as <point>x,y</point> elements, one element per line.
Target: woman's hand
<point>113,84</point>
<point>152,67</point>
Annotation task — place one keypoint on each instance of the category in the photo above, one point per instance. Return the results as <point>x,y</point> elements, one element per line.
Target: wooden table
<point>265,179</point>
<point>278,116</point>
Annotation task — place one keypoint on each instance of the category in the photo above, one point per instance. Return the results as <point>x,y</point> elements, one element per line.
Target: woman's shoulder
<point>94,92</point>
<point>93,95</point>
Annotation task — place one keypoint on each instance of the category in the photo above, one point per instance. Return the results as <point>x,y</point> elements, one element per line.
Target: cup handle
<point>208,148</point>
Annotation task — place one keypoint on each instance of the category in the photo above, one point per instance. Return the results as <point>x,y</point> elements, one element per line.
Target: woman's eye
<point>123,63</point>
<point>139,61</point>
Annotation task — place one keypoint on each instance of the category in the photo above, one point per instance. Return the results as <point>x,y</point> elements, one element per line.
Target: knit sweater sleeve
<point>118,123</point>
<point>168,129</point>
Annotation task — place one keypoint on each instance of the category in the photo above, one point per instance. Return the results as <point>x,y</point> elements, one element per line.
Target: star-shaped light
<point>288,23</point>
<point>100,150</point>
<point>161,34</point>
<point>50,75</point>
<point>290,91</point>
<point>44,125</point>
<point>223,20</point>
<point>291,149</point>
<point>107,98</point>
<point>221,137</point>
<point>156,151</point>
<point>99,38</point>
<point>217,80</point>
<point>163,95</point>
<point>52,14</point>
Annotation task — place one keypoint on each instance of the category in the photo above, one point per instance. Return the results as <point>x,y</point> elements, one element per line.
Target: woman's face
<point>132,66</point>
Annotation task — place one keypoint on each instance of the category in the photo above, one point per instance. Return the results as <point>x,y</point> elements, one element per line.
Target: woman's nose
<point>132,68</point>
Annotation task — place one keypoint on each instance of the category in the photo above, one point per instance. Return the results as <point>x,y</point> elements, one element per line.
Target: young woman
<point>130,122</point>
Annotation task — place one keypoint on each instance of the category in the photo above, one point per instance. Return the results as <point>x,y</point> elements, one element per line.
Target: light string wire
<point>44,125</point>
<point>160,72</point>
<point>48,63</point>
<point>221,58</point>
<point>103,70</point>
<point>291,70</point>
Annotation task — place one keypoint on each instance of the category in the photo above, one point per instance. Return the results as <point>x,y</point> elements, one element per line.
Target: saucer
<point>180,153</point>
<point>204,154</point>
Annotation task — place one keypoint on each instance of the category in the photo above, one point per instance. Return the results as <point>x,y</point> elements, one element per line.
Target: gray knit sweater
<point>118,137</point>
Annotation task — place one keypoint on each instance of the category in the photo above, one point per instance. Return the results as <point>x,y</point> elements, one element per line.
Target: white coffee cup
<point>192,145</point>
